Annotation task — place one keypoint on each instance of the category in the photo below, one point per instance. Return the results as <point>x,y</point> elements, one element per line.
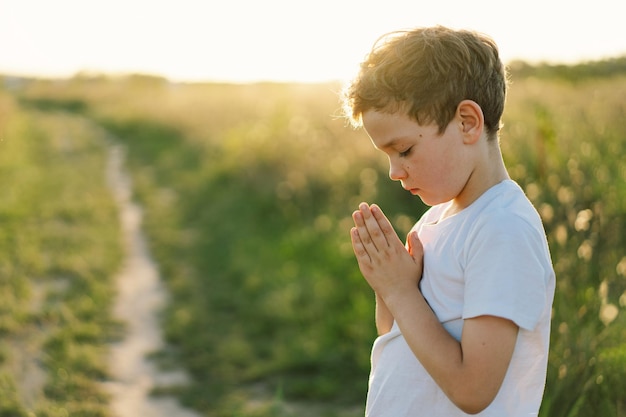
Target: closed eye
<point>405,153</point>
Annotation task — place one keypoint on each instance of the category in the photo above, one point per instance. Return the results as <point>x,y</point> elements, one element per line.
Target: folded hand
<point>385,262</point>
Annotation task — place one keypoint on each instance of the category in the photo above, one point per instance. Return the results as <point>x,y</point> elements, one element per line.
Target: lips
<point>413,191</point>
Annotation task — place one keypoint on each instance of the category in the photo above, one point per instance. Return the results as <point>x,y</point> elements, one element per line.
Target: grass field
<point>57,254</point>
<point>248,191</point>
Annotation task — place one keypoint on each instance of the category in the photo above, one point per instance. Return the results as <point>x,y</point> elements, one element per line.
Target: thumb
<point>415,245</point>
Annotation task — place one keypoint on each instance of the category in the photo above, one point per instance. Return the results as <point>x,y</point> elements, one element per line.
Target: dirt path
<point>141,297</point>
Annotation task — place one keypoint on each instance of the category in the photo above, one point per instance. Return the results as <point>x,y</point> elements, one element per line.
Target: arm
<point>384,319</point>
<point>470,372</point>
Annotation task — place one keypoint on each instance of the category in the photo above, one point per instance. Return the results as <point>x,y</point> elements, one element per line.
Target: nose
<point>396,171</point>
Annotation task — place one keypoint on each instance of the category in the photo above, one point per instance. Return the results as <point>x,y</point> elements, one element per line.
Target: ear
<point>472,120</point>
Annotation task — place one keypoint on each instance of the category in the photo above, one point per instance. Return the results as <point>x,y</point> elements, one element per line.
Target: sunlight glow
<point>280,40</point>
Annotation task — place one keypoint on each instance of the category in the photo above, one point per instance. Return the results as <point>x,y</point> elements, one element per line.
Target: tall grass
<point>248,192</point>
<point>566,145</point>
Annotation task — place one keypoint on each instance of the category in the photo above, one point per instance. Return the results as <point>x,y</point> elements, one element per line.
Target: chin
<point>432,201</point>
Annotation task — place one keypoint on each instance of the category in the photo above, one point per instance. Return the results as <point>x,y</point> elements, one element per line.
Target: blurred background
<point>279,40</point>
<point>229,117</point>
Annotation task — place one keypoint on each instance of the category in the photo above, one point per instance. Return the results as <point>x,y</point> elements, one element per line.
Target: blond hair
<point>427,72</point>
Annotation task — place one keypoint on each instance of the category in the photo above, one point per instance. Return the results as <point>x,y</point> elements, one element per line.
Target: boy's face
<point>435,167</point>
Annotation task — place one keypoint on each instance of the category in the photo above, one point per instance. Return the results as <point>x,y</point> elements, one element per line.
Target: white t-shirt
<point>492,258</point>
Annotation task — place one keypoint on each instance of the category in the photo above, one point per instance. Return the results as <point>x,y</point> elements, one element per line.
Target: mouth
<point>413,191</point>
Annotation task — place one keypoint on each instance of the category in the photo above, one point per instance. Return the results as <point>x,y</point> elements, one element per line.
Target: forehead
<point>389,129</point>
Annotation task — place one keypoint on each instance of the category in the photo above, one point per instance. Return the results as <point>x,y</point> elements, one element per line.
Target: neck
<point>489,171</point>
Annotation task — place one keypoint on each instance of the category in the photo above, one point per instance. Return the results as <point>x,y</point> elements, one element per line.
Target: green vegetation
<point>57,256</point>
<point>566,144</point>
<point>248,191</point>
<point>584,71</point>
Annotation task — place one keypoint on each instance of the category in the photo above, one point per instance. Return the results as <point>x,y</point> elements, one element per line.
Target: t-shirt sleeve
<point>506,273</point>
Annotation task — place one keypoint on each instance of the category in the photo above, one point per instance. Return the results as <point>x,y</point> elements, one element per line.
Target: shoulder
<point>507,209</point>
<point>507,224</point>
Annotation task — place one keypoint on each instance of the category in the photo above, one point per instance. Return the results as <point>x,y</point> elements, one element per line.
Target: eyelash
<point>405,153</point>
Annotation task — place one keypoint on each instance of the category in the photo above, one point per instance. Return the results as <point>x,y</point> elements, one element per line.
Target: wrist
<point>400,295</point>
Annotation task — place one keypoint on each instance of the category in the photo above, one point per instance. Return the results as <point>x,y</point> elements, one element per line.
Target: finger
<point>409,241</point>
<point>363,231</point>
<point>387,229</point>
<point>415,245</point>
<point>383,221</point>
<point>357,246</point>
<point>378,237</point>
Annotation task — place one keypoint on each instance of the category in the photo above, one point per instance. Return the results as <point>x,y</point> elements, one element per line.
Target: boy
<point>463,310</point>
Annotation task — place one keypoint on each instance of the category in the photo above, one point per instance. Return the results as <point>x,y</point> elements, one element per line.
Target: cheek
<point>427,167</point>
<point>449,162</point>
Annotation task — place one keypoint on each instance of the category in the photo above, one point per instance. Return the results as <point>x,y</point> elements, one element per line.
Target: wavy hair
<point>427,72</point>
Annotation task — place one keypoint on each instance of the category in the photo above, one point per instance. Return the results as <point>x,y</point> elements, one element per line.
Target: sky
<point>281,40</point>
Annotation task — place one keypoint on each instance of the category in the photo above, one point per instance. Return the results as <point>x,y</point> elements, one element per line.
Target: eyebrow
<point>392,143</point>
